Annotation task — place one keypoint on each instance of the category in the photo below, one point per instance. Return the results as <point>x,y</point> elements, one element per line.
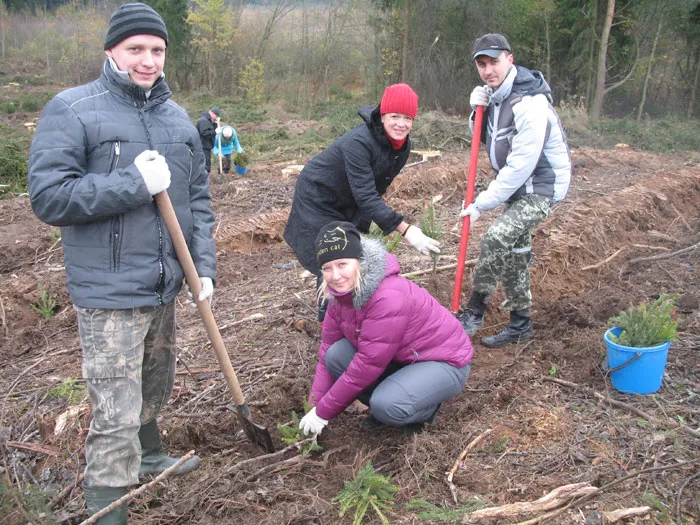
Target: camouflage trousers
<point>129,368</point>
<point>506,251</point>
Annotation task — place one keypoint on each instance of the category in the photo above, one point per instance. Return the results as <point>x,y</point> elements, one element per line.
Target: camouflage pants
<point>129,368</point>
<point>506,251</point>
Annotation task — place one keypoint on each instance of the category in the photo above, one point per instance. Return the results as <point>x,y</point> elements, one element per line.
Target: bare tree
<point>649,67</point>
<point>282,8</point>
<point>601,71</point>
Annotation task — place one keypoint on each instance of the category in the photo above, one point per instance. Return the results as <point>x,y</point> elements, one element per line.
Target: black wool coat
<point>345,182</point>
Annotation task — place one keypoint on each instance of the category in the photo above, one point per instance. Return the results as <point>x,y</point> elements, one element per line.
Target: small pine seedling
<point>368,490</point>
<point>293,434</point>
<point>646,325</point>
<point>46,305</point>
<point>70,389</point>
<point>430,227</point>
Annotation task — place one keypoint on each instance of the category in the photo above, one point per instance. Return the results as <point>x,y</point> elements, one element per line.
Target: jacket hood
<point>531,82</point>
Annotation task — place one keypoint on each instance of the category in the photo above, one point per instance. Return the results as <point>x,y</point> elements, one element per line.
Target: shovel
<point>258,434</point>
<point>466,222</point>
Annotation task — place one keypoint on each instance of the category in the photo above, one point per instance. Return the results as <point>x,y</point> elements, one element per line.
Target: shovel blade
<point>257,434</point>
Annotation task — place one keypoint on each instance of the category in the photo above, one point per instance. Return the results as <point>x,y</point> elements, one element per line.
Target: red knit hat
<point>399,98</point>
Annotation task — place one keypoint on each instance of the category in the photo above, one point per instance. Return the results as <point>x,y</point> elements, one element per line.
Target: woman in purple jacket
<point>386,341</point>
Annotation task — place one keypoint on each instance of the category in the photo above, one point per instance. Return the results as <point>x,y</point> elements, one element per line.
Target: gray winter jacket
<point>525,141</point>
<point>117,251</point>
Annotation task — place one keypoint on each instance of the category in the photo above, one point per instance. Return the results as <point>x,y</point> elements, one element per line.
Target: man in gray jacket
<point>530,158</point>
<point>100,153</point>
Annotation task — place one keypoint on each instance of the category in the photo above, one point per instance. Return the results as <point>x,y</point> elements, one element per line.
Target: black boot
<point>98,498</point>
<point>518,331</point>
<point>153,459</point>
<point>473,317</point>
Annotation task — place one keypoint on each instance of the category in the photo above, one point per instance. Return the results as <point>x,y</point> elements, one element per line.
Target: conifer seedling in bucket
<point>638,343</point>
<point>240,163</point>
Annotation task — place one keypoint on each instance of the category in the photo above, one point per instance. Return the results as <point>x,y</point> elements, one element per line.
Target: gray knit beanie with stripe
<point>134,19</point>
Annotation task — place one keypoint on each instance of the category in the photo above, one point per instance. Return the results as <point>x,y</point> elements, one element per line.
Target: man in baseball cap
<point>100,154</point>
<point>530,157</point>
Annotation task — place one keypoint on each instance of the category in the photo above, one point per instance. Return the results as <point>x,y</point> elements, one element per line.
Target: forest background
<point>625,69</point>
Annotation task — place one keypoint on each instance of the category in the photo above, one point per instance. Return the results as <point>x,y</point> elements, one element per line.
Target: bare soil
<point>623,205</point>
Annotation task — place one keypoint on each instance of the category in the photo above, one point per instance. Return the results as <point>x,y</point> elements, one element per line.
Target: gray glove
<point>421,241</point>
<point>480,97</point>
<point>154,170</point>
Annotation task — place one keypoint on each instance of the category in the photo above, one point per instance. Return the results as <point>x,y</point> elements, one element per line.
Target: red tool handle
<point>471,182</point>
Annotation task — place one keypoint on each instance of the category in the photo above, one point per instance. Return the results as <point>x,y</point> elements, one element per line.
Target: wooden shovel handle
<point>183,254</point>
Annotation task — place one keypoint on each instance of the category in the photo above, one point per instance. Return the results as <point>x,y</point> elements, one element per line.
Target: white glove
<point>420,241</point>
<point>479,97</point>
<point>207,291</point>
<point>473,213</point>
<point>311,423</point>
<point>154,170</point>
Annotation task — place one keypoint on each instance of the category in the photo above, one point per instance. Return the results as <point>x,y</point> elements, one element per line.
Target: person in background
<point>100,153</point>
<point>385,341</point>
<point>530,158</point>
<point>226,140</point>
<point>346,181</point>
<point>207,126</point>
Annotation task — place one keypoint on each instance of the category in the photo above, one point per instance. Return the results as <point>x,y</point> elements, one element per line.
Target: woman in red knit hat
<point>346,181</point>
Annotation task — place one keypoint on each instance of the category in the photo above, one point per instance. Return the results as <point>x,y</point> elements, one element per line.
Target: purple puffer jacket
<point>391,319</point>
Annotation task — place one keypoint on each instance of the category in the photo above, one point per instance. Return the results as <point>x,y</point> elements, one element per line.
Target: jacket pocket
<point>116,152</point>
<point>115,242</point>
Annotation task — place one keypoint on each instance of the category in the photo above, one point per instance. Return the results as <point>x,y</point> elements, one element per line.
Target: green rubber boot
<point>97,498</point>
<point>153,459</point>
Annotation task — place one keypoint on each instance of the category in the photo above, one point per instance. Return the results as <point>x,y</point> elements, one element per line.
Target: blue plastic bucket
<point>635,370</point>
<point>239,170</point>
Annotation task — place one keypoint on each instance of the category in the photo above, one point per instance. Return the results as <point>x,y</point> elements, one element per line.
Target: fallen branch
<point>65,491</point>
<point>143,488</point>
<point>665,255</point>
<point>602,489</point>
<point>680,215</point>
<point>265,457</point>
<point>470,262</point>
<point>34,447</point>
<point>601,263</point>
<point>620,404</point>
<point>554,500</point>
<point>648,247</point>
<point>601,517</point>
<point>463,455</point>
<point>252,317</point>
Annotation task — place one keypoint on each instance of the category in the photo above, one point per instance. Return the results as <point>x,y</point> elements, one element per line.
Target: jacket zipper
<point>115,160</point>
<point>161,265</point>
<point>191,162</point>
<point>116,241</point>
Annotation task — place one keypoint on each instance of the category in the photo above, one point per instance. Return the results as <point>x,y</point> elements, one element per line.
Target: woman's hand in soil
<point>311,423</point>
